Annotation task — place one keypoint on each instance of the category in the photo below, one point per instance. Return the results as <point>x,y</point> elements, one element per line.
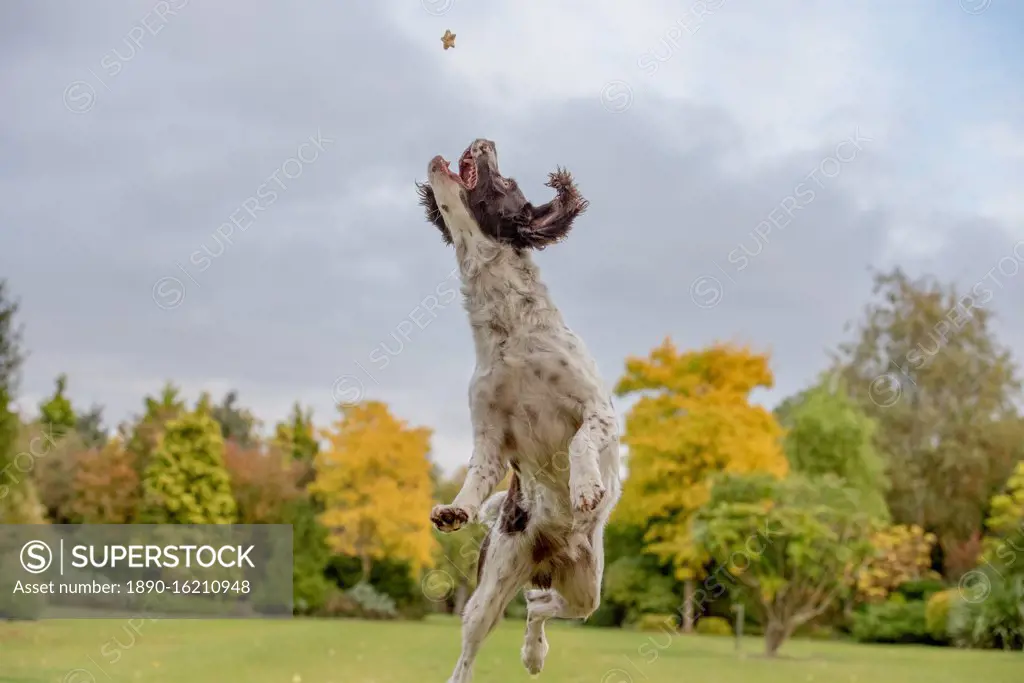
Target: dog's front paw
<point>448,518</point>
<point>587,493</point>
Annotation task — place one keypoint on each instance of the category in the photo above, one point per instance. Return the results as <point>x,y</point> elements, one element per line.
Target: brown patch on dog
<point>482,558</point>
<point>509,441</point>
<point>541,580</point>
<point>514,516</point>
<point>544,548</point>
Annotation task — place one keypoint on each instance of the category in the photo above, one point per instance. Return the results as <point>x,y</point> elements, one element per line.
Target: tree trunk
<point>366,568</point>
<point>775,634</point>
<point>688,606</point>
<point>461,595</point>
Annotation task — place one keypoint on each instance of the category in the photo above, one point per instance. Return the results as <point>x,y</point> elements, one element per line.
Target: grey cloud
<point>98,206</point>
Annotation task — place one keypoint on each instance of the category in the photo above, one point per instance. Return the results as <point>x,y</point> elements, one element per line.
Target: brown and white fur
<point>537,404</point>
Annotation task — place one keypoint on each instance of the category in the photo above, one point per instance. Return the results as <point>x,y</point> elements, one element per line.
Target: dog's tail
<point>491,508</point>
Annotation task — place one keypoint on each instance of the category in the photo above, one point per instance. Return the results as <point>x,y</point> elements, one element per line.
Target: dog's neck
<point>503,293</point>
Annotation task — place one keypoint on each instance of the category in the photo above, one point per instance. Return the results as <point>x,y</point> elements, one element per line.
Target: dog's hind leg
<point>575,594</point>
<point>504,568</point>
<point>595,434</point>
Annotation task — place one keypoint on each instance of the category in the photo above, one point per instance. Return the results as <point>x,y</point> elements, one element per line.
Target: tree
<point>789,544</point>
<point>310,555</point>
<point>18,501</point>
<point>828,433</point>
<point>90,427</point>
<point>186,481</point>
<point>374,481</point>
<point>264,483</point>
<point>11,354</point>
<point>54,462</point>
<point>106,485</point>
<point>56,412</point>
<point>458,552</point>
<point>143,435</point>
<point>297,435</point>
<point>236,424</point>
<point>693,419</point>
<point>926,366</point>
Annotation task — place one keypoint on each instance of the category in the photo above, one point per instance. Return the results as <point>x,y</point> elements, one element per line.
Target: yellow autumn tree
<point>374,482</point>
<point>693,420</point>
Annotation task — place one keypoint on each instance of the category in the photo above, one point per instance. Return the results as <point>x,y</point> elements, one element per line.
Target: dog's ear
<point>536,227</point>
<point>429,204</point>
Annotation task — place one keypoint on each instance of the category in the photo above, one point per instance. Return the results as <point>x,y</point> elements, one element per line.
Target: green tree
<point>90,427</point>
<point>457,552</point>
<point>56,411</point>
<point>694,419</point>
<point>142,435</point>
<point>237,424</point>
<point>926,366</point>
<point>789,545</point>
<point>18,501</point>
<point>310,555</point>
<point>297,435</point>
<point>828,433</point>
<point>186,481</point>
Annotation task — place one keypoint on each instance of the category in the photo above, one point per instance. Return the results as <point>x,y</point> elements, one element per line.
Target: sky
<point>221,194</point>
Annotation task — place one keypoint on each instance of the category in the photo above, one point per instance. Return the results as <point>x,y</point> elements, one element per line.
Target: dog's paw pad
<point>448,518</point>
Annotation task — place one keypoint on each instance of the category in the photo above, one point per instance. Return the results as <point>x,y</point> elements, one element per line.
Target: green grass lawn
<point>341,651</point>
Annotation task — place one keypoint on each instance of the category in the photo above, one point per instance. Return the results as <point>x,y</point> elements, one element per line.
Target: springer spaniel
<point>538,405</point>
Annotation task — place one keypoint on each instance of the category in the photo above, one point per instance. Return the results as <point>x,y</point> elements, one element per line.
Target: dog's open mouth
<point>467,175</point>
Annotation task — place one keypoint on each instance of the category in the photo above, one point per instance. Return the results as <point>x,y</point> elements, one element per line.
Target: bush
<point>414,611</point>
<point>361,601</point>
<point>936,615</point>
<point>893,621</point>
<point>994,620</point>
<point>714,626</point>
<point>388,576</point>
<point>516,608</point>
<point>608,615</point>
<point>921,589</point>
<point>656,622</point>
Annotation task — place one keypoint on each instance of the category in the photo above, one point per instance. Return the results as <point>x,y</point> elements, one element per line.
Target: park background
<point>882,504</point>
<point>219,194</point>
